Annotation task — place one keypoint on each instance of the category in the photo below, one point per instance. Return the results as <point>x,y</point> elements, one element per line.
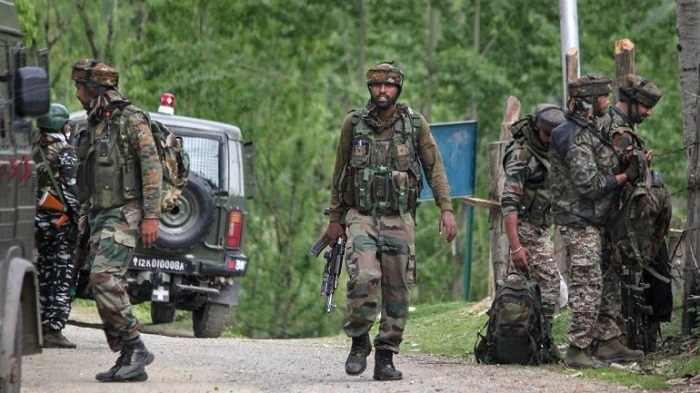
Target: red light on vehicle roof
<point>167,104</point>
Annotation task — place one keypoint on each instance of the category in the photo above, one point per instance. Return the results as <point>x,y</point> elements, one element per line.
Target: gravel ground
<point>185,364</point>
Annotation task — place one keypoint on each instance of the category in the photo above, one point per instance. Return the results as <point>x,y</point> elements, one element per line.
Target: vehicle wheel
<point>162,312</point>
<point>190,220</point>
<point>210,320</point>
<point>12,384</point>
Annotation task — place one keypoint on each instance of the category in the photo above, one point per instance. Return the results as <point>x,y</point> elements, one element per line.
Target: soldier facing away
<point>525,202</point>
<point>374,191</point>
<point>56,222</point>
<point>586,177</point>
<point>119,182</point>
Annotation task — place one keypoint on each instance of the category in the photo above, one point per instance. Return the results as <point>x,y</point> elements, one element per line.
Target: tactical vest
<point>535,202</point>
<point>383,177</point>
<point>107,176</point>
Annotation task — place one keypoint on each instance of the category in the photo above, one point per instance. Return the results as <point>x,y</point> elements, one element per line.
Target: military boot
<point>124,359</point>
<point>55,339</point>
<point>613,351</point>
<point>384,369</point>
<point>139,358</point>
<point>579,358</point>
<point>356,363</point>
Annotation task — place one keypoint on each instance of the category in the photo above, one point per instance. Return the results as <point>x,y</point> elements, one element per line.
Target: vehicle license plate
<point>162,264</point>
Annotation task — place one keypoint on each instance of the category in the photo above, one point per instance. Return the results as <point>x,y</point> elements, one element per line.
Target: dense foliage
<point>287,72</point>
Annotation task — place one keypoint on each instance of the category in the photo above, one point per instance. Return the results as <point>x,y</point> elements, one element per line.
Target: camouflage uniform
<point>583,168</point>
<point>120,179</point>
<point>525,194</point>
<point>380,249</point>
<point>55,244</point>
<point>115,228</point>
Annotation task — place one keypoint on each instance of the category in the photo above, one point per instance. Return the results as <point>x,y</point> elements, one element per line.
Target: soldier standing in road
<point>56,222</point>
<point>119,181</point>
<point>586,176</point>
<point>525,202</point>
<point>374,191</point>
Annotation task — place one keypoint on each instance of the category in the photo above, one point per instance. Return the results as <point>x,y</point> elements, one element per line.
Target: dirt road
<point>185,364</point>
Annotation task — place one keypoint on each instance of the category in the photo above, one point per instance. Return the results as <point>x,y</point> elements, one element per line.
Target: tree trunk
<point>688,29</point>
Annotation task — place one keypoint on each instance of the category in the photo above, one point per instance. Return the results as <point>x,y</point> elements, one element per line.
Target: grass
<point>450,329</point>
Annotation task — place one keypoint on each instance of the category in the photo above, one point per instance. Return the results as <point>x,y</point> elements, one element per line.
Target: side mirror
<point>32,91</point>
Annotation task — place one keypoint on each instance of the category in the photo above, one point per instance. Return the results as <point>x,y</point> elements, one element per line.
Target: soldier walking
<point>119,181</point>
<point>374,192</point>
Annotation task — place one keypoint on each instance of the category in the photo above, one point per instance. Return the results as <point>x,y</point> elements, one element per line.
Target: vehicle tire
<point>13,383</point>
<point>190,220</point>
<point>210,320</point>
<point>162,312</point>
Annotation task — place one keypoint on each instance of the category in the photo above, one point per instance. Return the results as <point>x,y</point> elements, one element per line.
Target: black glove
<point>633,168</point>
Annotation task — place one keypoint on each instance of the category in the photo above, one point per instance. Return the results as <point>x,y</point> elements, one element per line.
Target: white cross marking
<point>160,294</point>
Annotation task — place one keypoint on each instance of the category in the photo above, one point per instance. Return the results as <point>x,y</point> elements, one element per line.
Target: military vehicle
<point>24,93</point>
<point>197,262</point>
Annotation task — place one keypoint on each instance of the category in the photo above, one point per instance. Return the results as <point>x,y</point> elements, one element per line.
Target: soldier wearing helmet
<point>586,176</point>
<point>525,201</point>
<point>638,242</point>
<point>383,149</point>
<point>55,222</point>
<point>637,98</point>
<point>120,200</point>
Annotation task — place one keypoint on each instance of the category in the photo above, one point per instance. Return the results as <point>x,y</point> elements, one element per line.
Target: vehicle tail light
<point>234,229</point>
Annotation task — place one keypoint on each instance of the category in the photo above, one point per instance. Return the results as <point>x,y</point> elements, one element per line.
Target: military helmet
<point>385,72</point>
<point>590,86</point>
<point>55,119</point>
<point>636,88</point>
<point>95,72</point>
<point>548,117</point>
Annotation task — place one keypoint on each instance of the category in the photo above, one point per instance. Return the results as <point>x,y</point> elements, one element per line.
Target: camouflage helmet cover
<point>640,90</point>
<point>590,86</point>
<point>94,71</point>
<point>548,117</point>
<point>385,72</point>
<point>55,119</point>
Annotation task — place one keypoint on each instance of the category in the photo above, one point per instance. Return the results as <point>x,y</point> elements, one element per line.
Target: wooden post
<point>499,242</point>
<point>624,63</point>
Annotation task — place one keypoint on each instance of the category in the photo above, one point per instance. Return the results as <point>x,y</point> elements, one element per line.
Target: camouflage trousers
<point>381,266</point>
<point>543,267</point>
<point>594,287</point>
<point>113,236</point>
<point>55,248</point>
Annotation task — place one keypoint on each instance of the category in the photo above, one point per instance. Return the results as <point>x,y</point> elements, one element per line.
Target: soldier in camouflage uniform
<point>119,180</point>
<point>376,183</point>
<point>525,202</point>
<point>55,223</point>
<point>636,100</point>
<point>586,176</point>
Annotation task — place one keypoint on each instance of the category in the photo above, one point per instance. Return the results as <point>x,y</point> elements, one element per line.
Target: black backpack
<point>517,332</point>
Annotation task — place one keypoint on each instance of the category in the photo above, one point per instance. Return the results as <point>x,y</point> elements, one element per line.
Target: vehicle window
<point>204,158</point>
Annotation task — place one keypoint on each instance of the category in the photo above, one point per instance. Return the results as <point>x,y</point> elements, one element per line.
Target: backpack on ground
<point>517,332</point>
<point>174,160</point>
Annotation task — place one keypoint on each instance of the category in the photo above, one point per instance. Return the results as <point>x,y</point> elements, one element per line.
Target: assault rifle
<point>639,330</point>
<point>331,272</point>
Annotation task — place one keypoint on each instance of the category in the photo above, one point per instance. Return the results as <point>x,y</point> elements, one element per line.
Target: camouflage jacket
<point>525,190</point>
<point>622,132</point>
<point>582,175</point>
<point>61,160</point>
<point>428,155</point>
